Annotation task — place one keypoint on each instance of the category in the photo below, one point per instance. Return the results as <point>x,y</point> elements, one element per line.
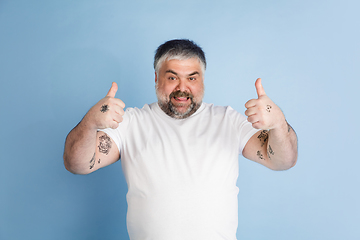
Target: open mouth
<point>179,105</point>
<point>181,99</point>
<point>181,96</point>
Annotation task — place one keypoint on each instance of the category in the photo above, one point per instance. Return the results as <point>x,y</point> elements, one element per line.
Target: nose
<point>182,86</point>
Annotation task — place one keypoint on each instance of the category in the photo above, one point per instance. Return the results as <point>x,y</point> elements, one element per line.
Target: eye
<point>192,78</point>
<point>172,78</point>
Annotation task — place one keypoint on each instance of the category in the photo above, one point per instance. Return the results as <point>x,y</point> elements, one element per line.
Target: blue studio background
<point>58,58</point>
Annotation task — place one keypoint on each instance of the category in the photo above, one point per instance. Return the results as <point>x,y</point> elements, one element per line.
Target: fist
<point>262,112</point>
<point>108,112</point>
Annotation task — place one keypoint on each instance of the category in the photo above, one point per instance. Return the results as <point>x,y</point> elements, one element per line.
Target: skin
<point>87,149</point>
<point>180,75</point>
<point>276,145</point>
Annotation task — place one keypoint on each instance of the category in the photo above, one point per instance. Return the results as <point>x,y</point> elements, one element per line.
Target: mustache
<point>179,93</point>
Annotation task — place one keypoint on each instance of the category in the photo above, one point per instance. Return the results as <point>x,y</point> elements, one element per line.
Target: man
<point>180,155</point>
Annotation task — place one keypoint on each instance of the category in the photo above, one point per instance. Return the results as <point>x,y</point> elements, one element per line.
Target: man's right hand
<point>107,113</point>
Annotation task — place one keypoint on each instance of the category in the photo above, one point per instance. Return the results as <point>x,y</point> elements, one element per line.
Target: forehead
<point>182,66</point>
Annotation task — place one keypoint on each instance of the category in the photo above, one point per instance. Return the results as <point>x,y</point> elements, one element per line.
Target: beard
<point>171,109</point>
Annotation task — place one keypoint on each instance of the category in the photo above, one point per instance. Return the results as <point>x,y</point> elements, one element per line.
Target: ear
<point>155,77</point>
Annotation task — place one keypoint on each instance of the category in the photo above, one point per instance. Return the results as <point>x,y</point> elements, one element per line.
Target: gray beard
<point>170,109</point>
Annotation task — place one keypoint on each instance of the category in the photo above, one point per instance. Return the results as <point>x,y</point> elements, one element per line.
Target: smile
<point>179,96</point>
<point>181,99</point>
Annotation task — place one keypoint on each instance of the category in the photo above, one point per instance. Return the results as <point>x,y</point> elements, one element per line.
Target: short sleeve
<point>243,127</point>
<point>117,134</point>
<point>113,134</point>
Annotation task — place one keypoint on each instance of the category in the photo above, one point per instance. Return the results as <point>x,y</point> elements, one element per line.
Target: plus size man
<point>180,155</point>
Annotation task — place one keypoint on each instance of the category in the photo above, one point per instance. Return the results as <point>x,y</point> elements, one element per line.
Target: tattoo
<point>270,152</point>
<point>289,127</point>
<point>268,107</point>
<point>104,108</point>
<point>263,137</point>
<point>105,144</point>
<point>260,155</point>
<point>92,161</point>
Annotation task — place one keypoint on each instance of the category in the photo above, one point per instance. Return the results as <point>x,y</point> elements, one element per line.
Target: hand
<point>262,112</point>
<point>108,112</point>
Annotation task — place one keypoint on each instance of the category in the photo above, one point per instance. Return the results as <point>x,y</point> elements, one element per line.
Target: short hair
<point>180,49</point>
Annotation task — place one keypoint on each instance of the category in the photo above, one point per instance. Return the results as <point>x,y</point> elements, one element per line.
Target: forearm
<point>282,147</point>
<point>80,146</point>
<point>80,153</point>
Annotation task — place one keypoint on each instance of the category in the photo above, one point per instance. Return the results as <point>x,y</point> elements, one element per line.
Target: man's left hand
<point>262,112</point>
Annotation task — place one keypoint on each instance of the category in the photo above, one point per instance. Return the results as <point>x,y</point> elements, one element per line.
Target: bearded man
<point>180,155</point>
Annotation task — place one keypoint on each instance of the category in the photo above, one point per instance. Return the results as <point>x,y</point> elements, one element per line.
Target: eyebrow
<point>191,74</point>
<point>171,71</point>
<point>194,73</point>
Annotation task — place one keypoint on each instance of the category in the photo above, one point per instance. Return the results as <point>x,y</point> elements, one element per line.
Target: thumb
<point>113,90</point>
<point>259,88</point>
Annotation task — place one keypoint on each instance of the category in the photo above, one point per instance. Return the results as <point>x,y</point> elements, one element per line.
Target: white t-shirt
<point>181,174</point>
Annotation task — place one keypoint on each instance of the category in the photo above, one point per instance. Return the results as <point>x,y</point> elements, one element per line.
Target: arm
<point>275,145</point>
<point>86,149</point>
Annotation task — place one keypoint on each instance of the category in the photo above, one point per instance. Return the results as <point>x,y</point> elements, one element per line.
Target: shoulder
<point>214,108</point>
<point>138,112</point>
<point>135,110</point>
<point>220,110</point>
<point>227,114</point>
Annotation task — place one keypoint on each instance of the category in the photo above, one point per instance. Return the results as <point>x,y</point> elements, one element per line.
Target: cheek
<point>164,90</point>
<point>198,91</point>
<point>165,87</point>
<point>167,91</point>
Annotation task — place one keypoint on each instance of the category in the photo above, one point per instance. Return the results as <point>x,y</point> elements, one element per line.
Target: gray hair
<point>179,49</point>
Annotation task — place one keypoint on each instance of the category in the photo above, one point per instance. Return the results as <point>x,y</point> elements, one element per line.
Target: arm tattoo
<point>104,144</point>
<point>270,152</point>
<point>104,108</point>
<point>258,153</point>
<point>263,137</point>
<point>92,162</point>
<point>289,127</point>
<point>268,107</point>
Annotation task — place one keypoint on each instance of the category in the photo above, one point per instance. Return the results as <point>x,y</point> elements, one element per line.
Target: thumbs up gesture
<point>107,113</point>
<point>262,112</point>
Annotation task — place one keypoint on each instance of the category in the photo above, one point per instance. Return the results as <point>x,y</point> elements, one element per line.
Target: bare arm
<point>275,149</point>
<point>86,149</point>
<point>275,145</point>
